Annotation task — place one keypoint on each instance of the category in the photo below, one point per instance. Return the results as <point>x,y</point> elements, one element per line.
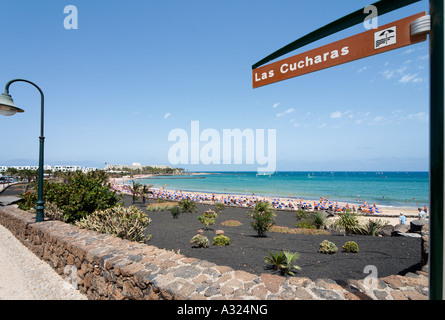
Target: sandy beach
<point>390,214</point>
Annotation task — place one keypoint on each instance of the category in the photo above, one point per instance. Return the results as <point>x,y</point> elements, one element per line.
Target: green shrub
<point>80,195</point>
<point>126,223</point>
<point>208,218</point>
<point>289,265</point>
<point>302,215</point>
<point>351,246</point>
<point>283,261</point>
<point>28,201</point>
<point>175,211</point>
<point>263,218</point>
<point>221,240</point>
<point>51,212</point>
<point>348,222</point>
<point>219,207</point>
<point>373,226</point>
<point>187,205</point>
<point>276,259</point>
<point>327,247</point>
<point>307,220</point>
<point>320,219</point>
<point>200,241</point>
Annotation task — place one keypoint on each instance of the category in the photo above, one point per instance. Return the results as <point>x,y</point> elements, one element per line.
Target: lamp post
<point>8,108</point>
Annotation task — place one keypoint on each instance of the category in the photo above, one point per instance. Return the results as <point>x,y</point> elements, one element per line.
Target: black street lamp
<point>8,108</point>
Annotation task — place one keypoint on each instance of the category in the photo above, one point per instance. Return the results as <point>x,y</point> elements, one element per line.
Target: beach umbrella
<point>374,210</point>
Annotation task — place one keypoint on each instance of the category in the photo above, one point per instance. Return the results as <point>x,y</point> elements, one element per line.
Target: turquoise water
<point>392,189</point>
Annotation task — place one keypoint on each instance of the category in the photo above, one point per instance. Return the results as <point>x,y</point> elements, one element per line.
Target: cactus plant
<point>327,247</point>
<point>221,240</point>
<point>350,246</point>
<point>126,223</point>
<point>200,241</point>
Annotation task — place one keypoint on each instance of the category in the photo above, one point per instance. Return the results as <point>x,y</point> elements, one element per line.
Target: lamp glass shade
<point>7,106</point>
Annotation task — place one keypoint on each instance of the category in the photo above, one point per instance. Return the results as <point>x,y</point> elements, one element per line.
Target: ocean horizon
<point>385,188</point>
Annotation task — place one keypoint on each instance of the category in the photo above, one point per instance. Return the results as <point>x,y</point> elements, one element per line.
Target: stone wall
<point>111,268</point>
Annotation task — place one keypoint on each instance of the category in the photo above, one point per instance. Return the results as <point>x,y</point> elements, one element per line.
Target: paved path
<point>23,276</point>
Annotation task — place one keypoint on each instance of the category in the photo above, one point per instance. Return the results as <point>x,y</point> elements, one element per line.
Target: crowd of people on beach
<point>287,203</point>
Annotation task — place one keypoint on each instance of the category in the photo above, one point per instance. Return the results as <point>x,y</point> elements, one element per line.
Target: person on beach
<point>422,214</point>
<point>402,219</point>
<point>425,208</point>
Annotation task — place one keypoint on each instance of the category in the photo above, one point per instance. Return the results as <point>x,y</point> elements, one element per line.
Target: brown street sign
<point>385,38</point>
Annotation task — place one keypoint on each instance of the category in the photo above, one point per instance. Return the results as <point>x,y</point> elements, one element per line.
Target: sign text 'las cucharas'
<point>388,37</point>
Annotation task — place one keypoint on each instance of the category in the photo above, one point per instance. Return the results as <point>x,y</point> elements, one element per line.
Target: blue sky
<point>133,71</point>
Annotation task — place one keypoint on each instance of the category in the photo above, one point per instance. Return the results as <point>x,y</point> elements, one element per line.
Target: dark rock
<point>386,231</point>
<point>425,244</point>
<point>416,225</point>
<point>399,229</point>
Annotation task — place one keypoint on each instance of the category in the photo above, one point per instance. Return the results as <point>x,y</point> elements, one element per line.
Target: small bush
<point>349,222</point>
<point>263,218</point>
<point>351,246</point>
<point>52,212</point>
<point>276,259</point>
<point>208,218</point>
<point>372,227</point>
<point>200,241</point>
<point>219,207</point>
<point>283,261</point>
<point>327,247</point>
<point>126,223</point>
<point>221,240</point>
<point>289,265</point>
<point>320,219</point>
<point>302,215</point>
<point>187,206</point>
<point>175,211</point>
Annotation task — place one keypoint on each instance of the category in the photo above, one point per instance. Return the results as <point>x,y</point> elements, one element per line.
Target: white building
<point>133,166</point>
<point>52,168</point>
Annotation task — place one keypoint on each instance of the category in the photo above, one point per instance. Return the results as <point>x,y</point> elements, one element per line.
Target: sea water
<point>387,189</point>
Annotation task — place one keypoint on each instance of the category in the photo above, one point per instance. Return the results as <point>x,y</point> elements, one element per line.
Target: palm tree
<point>135,190</point>
<point>145,190</point>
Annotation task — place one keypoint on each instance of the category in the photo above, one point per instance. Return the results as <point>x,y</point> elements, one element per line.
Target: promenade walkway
<point>23,276</point>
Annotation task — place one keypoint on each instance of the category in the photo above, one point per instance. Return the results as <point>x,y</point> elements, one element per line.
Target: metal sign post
<point>436,256</point>
<point>388,37</point>
<point>434,24</point>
